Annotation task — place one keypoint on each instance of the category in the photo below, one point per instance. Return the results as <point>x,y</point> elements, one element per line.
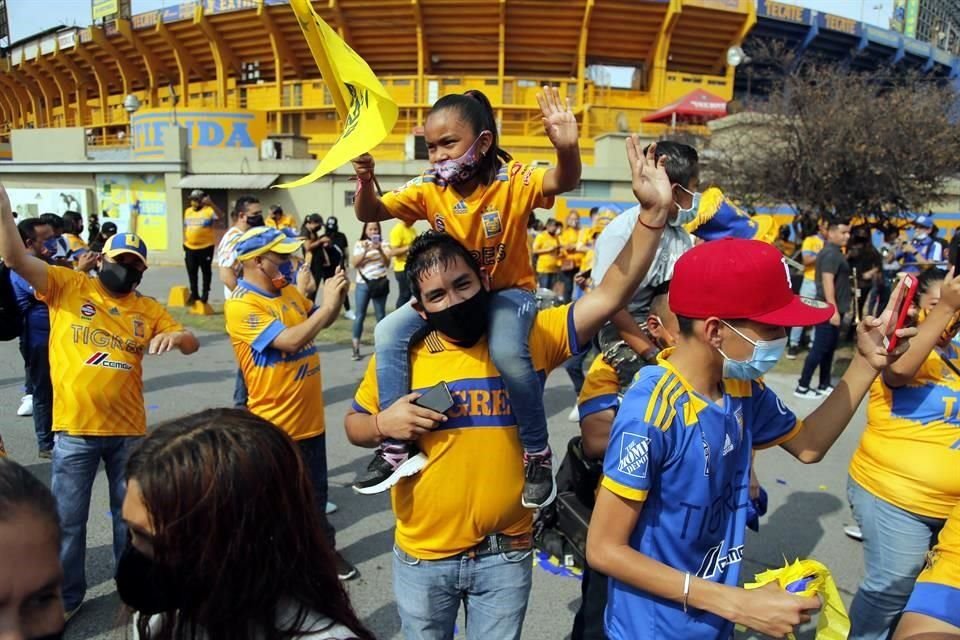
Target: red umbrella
<point>696,106</point>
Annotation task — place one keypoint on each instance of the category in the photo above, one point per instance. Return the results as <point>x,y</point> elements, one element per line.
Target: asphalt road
<point>807,507</point>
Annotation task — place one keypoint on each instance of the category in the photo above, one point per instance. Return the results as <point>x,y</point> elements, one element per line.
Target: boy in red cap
<point>668,525</point>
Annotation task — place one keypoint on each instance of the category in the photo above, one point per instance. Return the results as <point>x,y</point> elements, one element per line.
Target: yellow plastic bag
<point>807,578</point>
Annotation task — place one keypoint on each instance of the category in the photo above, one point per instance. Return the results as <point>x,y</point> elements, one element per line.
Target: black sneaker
<point>390,463</point>
<point>792,352</point>
<point>46,454</point>
<point>345,570</point>
<point>539,489</point>
<point>807,393</point>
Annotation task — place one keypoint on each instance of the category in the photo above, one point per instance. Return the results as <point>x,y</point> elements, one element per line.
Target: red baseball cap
<point>741,279</point>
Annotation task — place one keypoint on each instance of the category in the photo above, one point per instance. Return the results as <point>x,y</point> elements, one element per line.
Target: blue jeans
<point>314,453</point>
<point>512,312</point>
<point>895,546</point>
<point>75,462</point>
<point>240,396</point>
<point>494,589</point>
<point>363,302</point>
<point>808,289</point>
<point>38,370</point>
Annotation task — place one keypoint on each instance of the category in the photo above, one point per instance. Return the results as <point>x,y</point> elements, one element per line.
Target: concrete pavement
<point>807,509</point>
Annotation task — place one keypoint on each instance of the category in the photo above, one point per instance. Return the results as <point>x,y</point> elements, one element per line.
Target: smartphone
<point>903,298</point>
<point>436,398</point>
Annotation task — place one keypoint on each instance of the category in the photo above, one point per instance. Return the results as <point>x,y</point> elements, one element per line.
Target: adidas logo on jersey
<point>727,444</point>
<point>102,359</point>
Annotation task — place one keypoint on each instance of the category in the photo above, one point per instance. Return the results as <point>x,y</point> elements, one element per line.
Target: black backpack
<point>11,318</point>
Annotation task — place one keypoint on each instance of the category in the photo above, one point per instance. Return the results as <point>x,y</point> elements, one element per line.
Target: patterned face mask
<point>459,170</point>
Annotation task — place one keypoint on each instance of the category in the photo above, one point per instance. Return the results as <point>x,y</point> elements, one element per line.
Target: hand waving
<point>651,185</point>
<point>558,120</point>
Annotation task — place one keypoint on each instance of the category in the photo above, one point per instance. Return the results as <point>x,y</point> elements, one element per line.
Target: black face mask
<point>465,322</point>
<point>332,226</point>
<point>119,278</point>
<point>254,221</point>
<point>146,586</point>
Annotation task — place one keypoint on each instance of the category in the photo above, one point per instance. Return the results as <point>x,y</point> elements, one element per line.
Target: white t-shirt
<point>227,254</point>
<point>375,266</point>
<point>313,621</point>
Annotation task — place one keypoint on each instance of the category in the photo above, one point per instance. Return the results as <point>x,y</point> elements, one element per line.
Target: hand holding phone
<point>903,296</point>
<point>436,398</point>
<point>409,417</point>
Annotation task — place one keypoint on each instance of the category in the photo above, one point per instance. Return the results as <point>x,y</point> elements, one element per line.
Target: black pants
<point>825,338</point>
<point>314,453</point>
<point>403,288</point>
<point>42,390</point>
<point>588,623</point>
<point>199,260</point>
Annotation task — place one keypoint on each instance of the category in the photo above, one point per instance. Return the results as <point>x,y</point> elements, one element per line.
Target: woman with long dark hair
<point>225,540</point>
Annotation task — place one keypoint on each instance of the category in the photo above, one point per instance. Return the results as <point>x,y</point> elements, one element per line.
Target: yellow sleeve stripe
<point>663,422</point>
<point>656,396</point>
<point>790,435</point>
<point>667,395</point>
<point>611,485</point>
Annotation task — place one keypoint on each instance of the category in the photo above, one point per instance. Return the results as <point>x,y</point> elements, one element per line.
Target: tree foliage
<point>827,139</point>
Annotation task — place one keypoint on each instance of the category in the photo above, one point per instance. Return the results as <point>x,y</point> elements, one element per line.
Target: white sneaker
<point>827,390</point>
<point>853,532</point>
<point>26,406</point>
<point>574,414</point>
<point>807,393</point>
<point>331,508</point>
<point>349,315</point>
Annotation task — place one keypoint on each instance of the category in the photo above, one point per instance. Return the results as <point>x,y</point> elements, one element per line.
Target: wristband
<point>376,423</point>
<point>651,227</point>
<point>686,590</point>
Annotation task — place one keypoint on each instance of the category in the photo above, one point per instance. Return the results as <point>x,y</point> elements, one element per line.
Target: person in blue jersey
<point>670,516</point>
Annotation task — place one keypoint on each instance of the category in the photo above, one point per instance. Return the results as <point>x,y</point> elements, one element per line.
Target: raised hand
<point>363,166</point>
<point>558,120</point>
<point>651,185</point>
<point>950,291</point>
<point>871,339</point>
<point>335,288</point>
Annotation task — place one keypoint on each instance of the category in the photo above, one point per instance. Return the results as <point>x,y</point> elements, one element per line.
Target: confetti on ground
<point>780,481</point>
<point>153,407</point>
<point>551,564</point>
<point>823,487</point>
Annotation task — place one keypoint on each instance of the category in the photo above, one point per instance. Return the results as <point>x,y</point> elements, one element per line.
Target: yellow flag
<point>367,110</point>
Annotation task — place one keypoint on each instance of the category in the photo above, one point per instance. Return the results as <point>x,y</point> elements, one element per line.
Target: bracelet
<point>651,227</point>
<point>376,423</point>
<point>686,590</point>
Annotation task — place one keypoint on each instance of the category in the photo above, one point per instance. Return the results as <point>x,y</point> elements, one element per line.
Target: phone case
<point>908,287</point>
<point>437,398</point>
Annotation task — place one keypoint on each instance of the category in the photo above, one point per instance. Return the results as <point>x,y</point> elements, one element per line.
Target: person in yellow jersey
<point>903,476</point>
<point>570,255</point>
<point>462,534</point>
<point>478,194</point>
<point>272,326</point>
<point>72,232</point>
<point>546,248</point>
<point>199,242</point>
<point>279,220</point>
<point>101,327</point>
<point>401,237</point>
<point>933,611</point>
<point>811,246</point>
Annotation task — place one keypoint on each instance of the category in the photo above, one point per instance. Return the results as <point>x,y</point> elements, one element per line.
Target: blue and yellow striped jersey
<point>284,388</point>
<point>937,592</point>
<point>472,483</point>
<point>688,460</point>
<point>910,451</point>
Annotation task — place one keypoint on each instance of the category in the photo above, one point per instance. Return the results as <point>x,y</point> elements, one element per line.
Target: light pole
<point>130,104</point>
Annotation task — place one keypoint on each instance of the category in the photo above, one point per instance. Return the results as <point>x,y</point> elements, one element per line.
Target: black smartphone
<point>436,398</point>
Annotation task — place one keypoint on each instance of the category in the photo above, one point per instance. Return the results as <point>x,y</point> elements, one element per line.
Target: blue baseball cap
<point>261,240</point>
<point>121,243</point>
<point>923,221</point>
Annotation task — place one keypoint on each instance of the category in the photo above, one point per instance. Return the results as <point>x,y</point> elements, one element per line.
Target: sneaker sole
<point>545,503</point>
<point>348,576</point>
<point>409,468</point>
<point>807,397</point>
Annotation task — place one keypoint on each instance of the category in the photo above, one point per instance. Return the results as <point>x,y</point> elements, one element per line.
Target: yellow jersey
<point>286,222</point>
<point>491,222</point>
<point>284,388</point>
<point>573,258</point>
<point>76,245</point>
<point>198,228</point>
<point>472,484</point>
<point>601,389</point>
<point>811,246</point>
<point>547,262</point>
<point>937,592</point>
<point>402,235</point>
<point>96,357</point>
<point>910,451</point>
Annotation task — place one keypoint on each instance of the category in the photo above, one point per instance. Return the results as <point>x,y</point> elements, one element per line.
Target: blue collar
<point>246,285</point>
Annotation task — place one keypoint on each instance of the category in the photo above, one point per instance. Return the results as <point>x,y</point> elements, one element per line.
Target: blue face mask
<point>766,354</point>
<point>687,215</point>
<point>287,271</point>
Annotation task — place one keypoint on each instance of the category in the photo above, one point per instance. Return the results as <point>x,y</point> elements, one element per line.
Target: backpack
<point>11,318</point>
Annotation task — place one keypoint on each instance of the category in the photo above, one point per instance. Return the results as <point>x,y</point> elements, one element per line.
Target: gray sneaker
<point>539,489</point>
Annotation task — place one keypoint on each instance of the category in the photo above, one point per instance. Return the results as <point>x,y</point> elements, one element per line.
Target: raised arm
<point>367,203</point>
<point>652,188</point>
<point>561,127</point>
<point>294,338</point>
<point>14,254</point>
